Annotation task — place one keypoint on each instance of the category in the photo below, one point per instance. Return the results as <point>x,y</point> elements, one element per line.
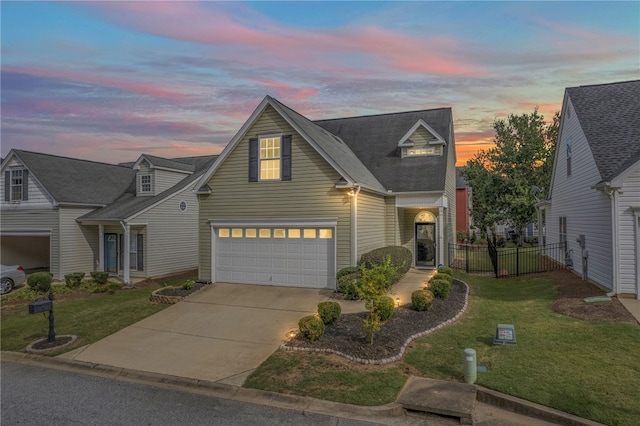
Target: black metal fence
<point>505,262</point>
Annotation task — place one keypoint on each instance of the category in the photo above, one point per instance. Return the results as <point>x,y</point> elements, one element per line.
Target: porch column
<point>100,265</point>
<point>441,235</point>
<point>125,245</point>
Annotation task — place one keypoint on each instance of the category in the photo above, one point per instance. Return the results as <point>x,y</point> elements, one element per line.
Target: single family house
<point>65,215</point>
<point>290,201</point>
<point>594,203</point>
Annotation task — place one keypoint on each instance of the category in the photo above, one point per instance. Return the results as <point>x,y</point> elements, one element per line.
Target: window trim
<point>13,186</point>
<point>142,183</point>
<point>276,159</point>
<point>256,161</point>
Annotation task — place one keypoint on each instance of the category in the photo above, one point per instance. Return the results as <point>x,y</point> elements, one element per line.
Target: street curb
<point>303,404</point>
<point>530,409</point>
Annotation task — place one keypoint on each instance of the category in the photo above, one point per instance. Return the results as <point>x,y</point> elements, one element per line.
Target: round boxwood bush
<point>100,277</point>
<point>346,271</point>
<point>39,281</point>
<point>74,280</point>
<point>384,307</point>
<point>445,270</point>
<point>329,311</point>
<point>311,327</point>
<point>440,276</point>
<point>440,288</point>
<point>421,300</point>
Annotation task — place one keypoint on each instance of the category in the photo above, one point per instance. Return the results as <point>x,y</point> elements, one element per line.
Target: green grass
<point>90,319</point>
<point>589,369</point>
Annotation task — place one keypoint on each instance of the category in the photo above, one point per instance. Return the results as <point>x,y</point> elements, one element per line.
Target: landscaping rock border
<point>398,356</point>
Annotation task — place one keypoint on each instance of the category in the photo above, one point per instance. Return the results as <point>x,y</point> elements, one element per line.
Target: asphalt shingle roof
<point>71,180</point>
<point>175,164</point>
<point>128,204</point>
<point>609,115</point>
<point>374,140</point>
<point>334,147</point>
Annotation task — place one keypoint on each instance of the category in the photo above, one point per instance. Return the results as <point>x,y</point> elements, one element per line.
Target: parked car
<point>11,276</point>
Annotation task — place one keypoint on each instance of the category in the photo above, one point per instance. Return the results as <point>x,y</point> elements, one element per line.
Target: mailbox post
<point>43,306</point>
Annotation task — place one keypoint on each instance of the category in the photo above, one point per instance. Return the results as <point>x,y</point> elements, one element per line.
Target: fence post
<point>517,261</point>
<point>466,257</point>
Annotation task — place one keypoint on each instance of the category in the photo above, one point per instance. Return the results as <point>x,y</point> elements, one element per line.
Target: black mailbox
<point>40,306</point>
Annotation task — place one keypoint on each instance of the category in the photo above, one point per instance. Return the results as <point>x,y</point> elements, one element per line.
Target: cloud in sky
<point>110,80</point>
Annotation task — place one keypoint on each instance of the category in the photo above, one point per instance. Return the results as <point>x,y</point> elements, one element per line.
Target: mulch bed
<point>571,294</point>
<point>347,335</point>
<point>45,344</point>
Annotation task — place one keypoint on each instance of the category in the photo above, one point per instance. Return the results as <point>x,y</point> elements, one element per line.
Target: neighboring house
<point>595,193</point>
<point>291,201</point>
<point>66,215</point>
<point>463,202</point>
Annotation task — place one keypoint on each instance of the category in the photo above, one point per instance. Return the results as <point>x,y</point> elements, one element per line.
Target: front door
<point>111,252</point>
<point>426,245</point>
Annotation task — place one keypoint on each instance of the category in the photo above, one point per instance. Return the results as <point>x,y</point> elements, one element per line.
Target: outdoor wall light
<point>397,302</point>
<point>352,192</point>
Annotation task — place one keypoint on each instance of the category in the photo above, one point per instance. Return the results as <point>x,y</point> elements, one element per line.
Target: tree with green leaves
<point>508,179</point>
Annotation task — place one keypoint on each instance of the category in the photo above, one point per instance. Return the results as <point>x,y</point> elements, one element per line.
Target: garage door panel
<point>296,262</point>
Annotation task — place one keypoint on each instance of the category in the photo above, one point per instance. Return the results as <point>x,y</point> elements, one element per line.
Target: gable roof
<point>128,205</point>
<point>164,163</point>
<point>75,181</point>
<point>365,149</point>
<point>330,147</point>
<point>374,140</point>
<point>609,117</point>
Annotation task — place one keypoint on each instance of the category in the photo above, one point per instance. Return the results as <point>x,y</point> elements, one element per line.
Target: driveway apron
<point>221,333</point>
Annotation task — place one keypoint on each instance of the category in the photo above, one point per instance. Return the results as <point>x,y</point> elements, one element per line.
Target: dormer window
<point>420,151</point>
<point>146,184</point>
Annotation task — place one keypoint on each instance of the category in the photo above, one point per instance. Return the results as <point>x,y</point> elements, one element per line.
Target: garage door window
<point>279,233</point>
<point>250,232</point>
<point>223,232</point>
<point>236,233</point>
<point>325,233</point>
<point>309,233</point>
<point>294,233</point>
<point>265,233</point>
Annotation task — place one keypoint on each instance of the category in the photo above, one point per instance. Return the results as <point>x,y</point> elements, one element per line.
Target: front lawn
<point>587,368</point>
<point>89,316</point>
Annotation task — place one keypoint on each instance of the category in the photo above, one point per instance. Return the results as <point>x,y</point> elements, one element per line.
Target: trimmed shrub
<point>311,327</point>
<point>100,277</point>
<point>74,280</point>
<point>40,281</point>
<point>347,271</point>
<point>384,307</point>
<point>445,270</point>
<point>329,311</point>
<point>441,276</point>
<point>421,300</point>
<point>440,288</point>
<point>348,285</point>
<point>401,258</point>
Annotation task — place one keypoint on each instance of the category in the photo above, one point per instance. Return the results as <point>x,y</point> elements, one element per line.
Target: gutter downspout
<point>354,225</point>
<point>615,251</point>
<point>613,195</point>
<point>125,256</point>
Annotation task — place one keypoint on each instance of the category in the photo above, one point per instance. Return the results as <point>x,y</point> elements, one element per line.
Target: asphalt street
<point>41,396</point>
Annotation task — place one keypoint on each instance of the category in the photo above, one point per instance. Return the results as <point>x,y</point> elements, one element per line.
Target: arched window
<point>425,217</point>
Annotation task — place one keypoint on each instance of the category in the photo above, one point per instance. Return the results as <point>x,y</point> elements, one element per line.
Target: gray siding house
<point>135,220</point>
<point>595,195</point>
<point>291,201</point>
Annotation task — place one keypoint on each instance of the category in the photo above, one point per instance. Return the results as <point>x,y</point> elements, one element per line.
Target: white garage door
<point>286,256</point>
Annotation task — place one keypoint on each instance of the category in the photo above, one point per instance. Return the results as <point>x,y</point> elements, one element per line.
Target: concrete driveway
<point>222,333</point>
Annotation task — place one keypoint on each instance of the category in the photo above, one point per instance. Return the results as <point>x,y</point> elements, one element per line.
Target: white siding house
<point>68,215</point>
<point>595,192</point>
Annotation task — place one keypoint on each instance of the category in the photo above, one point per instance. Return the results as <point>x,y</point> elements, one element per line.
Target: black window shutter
<point>140,253</point>
<point>25,184</point>
<point>253,160</point>
<point>286,157</point>
<point>7,185</point>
